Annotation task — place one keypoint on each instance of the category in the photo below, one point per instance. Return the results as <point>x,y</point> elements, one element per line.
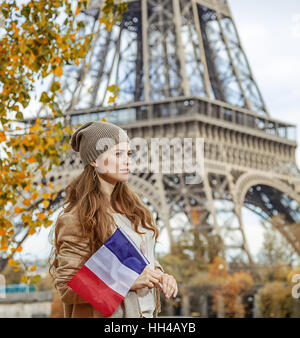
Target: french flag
<point>107,276</point>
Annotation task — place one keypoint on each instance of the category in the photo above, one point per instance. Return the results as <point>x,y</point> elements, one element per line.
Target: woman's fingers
<point>156,274</point>
<point>170,290</point>
<point>150,285</point>
<point>151,272</point>
<point>165,279</point>
<point>175,291</point>
<point>169,286</point>
<point>158,271</point>
<point>154,280</point>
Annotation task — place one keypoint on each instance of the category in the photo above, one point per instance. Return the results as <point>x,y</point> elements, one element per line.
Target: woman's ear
<point>93,164</point>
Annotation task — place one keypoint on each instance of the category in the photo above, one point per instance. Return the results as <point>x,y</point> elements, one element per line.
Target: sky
<point>270,34</point>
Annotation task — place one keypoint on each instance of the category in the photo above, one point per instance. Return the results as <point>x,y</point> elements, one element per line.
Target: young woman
<point>97,200</point>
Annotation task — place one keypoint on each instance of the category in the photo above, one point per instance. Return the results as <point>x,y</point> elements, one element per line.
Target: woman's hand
<point>148,278</point>
<point>169,285</point>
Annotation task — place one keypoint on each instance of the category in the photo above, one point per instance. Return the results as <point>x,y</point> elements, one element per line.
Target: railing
<point>166,109</point>
<point>27,297</point>
<point>17,288</point>
<point>141,111</point>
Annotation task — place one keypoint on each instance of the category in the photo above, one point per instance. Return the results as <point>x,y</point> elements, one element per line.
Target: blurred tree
<point>276,257</point>
<point>11,276</point>
<point>275,300</point>
<point>229,288</point>
<point>193,251</point>
<point>45,284</point>
<point>37,39</point>
<point>217,282</point>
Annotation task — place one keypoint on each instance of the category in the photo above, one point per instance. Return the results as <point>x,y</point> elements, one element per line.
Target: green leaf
<point>54,106</point>
<point>19,116</point>
<point>39,157</point>
<point>80,24</point>
<point>45,98</point>
<point>55,86</point>
<point>36,279</point>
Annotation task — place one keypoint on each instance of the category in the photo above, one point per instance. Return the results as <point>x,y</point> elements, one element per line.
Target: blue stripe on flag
<point>132,242</point>
<point>125,251</point>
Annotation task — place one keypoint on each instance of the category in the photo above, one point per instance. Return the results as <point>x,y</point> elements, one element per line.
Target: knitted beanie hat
<point>94,138</point>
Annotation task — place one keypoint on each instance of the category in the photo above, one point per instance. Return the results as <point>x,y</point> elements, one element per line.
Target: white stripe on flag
<point>111,271</point>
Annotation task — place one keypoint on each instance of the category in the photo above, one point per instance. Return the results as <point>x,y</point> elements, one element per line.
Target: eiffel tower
<point>182,72</point>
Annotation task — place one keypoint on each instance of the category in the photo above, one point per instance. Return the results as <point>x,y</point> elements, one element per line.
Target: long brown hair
<point>85,191</point>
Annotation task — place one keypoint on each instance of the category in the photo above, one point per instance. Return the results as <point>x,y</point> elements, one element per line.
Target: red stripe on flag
<point>95,291</point>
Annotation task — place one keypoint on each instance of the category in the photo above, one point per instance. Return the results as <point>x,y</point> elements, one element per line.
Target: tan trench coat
<point>73,251</point>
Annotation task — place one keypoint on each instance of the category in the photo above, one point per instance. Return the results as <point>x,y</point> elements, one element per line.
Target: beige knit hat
<point>93,138</point>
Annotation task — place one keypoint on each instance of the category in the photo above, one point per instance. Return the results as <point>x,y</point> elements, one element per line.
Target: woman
<point>98,199</point>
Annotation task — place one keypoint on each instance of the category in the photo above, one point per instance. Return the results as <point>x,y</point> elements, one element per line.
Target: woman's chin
<point>123,176</point>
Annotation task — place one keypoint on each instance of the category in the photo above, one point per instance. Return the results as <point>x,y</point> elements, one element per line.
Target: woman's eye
<point>130,153</point>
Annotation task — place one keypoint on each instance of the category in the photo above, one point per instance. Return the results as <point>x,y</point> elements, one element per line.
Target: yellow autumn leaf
<point>21,174</point>
<point>18,210</point>
<point>2,136</point>
<point>46,204</point>
<point>59,39</point>
<point>19,248</point>
<point>108,26</point>
<point>58,71</point>
<point>41,215</point>
<point>11,262</point>
<point>65,146</point>
<point>111,88</point>
<point>34,195</point>
<point>51,141</point>
<point>24,279</point>
<point>27,202</point>
<point>112,98</point>
<point>31,231</point>
<point>31,159</point>
<point>33,268</point>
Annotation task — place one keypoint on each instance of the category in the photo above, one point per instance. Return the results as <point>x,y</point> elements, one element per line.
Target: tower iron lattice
<point>182,72</point>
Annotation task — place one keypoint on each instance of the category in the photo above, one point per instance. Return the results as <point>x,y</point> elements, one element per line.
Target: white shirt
<point>146,296</point>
